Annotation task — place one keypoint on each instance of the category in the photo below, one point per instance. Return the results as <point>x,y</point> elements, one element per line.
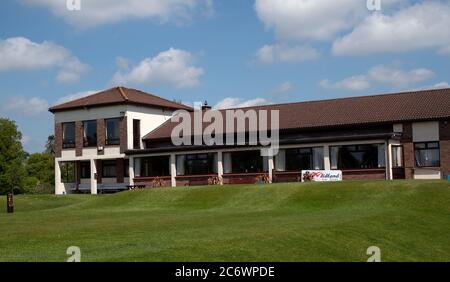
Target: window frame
<point>109,163</point>
<point>425,149</point>
<point>112,141</point>
<point>65,175</point>
<point>193,158</point>
<point>259,162</point>
<point>289,154</point>
<point>357,150</point>
<point>154,159</point>
<point>136,134</point>
<point>402,153</point>
<point>86,143</point>
<point>88,164</point>
<point>72,144</point>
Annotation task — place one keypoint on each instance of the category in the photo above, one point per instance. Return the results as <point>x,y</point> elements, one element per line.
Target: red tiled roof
<point>119,95</point>
<point>375,109</point>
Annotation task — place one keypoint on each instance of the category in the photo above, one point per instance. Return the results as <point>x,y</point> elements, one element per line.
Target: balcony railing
<point>68,144</point>
<point>113,141</point>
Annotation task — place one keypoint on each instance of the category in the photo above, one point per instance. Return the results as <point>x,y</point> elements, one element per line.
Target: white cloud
<point>100,12</point>
<point>309,19</point>
<point>445,50</point>
<point>123,63</point>
<point>398,77</point>
<point>229,103</point>
<point>20,53</point>
<point>441,85</point>
<point>423,25</point>
<point>26,106</point>
<point>75,96</point>
<point>354,83</point>
<point>284,87</point>
<point>380,74</point>
<point>269,54</point>
<point>25,140</point>
<point>173,67</point>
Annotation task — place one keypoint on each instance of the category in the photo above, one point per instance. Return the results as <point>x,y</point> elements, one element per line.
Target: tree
<point>50,145</point>
<point>42,167</point>
<point>12,157</point>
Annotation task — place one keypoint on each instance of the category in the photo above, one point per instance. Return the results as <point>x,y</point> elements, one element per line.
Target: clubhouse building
<point>121,138</point>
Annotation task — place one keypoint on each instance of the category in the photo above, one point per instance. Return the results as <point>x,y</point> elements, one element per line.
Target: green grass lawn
<point>407,220</point>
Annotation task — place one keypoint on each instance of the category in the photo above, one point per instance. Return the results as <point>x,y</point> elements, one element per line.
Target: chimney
<point>205,106</point>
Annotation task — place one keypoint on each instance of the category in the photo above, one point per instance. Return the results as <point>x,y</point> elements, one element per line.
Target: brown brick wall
<point>123,135</point>
<point>444,130</point>
<point>376,174</point>
<point>407,132</point>
<point>101,135</point>
<point>408,155</point>
<point>120,170</point>
<point>58,139</point>
<point>78,138</point>
<point>147,181</point>
<point>408,150</point>
<point>444,136</point>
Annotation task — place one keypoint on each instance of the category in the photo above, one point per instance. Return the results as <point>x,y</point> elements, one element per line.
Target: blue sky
<point>230,52</point>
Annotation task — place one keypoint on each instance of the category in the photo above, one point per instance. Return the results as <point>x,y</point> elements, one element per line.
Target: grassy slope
<point>408,220</point>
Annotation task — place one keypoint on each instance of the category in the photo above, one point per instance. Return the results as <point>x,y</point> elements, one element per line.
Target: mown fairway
<point>408,220</point>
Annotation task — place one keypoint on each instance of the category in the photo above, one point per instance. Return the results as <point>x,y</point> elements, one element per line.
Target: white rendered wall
<point>150,119</point>
<point>424,173</point>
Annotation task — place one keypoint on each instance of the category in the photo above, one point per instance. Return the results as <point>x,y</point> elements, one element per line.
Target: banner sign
<point>321,175</point>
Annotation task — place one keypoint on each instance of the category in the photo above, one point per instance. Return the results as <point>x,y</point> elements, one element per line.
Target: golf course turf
<point>407,220</point>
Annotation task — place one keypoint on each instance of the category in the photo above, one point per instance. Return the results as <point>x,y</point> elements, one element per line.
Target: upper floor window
<point>427,154</point>
<point>136,134</point>
<point>68,135</point>
<point>113,131</point>
<point>90,133</point>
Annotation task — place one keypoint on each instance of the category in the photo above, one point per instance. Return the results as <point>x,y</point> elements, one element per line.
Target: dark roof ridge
<point>341,98</point>
<point>118,95</point>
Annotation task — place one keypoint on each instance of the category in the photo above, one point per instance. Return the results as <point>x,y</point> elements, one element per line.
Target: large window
<point>68,135</point>
<point>113,131</point>
<point>85,170</point>
<point>154,166</point>
<point>304,158</point>
<point>427,154</point>
<point>397,156</point>
<point>246,162</point>
<point>67,172</point>
<point>136,134</point>
<point>195,164</point>
<point>90,133</point>
<point>109,169</point>
<point>368,156</point>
